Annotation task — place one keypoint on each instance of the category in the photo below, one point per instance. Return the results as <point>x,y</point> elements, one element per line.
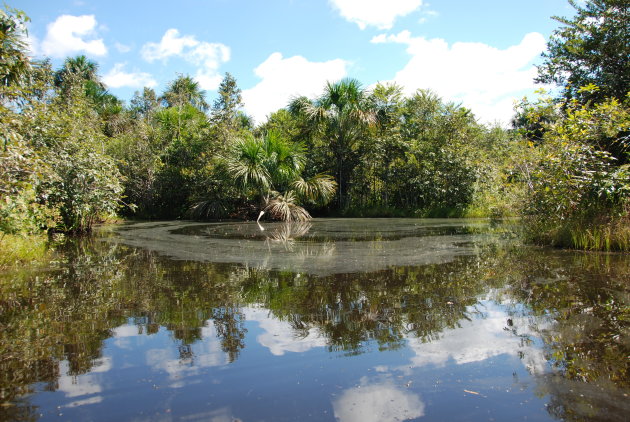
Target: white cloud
<point>484,78</point>
<point>379,39</point>
<point>117,77</point>
<point>377,402</point>
<point>127,330</point>
<point>32,44</point>
<point>171,44</point>
<point>208,57</point>
<point>122,48</point>
<point>473,341</point>
<point>378,13</point>
<point>82,385</point>
<point>427,14</point>
<point>69,34</point>
<point>283,79</point>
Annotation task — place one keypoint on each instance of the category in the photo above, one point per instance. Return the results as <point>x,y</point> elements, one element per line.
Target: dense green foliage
<point>73,154</point>
<point>579,187</point>
<point>592,48</point>
<point>579,183</point>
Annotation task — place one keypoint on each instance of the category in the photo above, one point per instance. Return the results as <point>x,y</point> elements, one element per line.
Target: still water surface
<point>347,320</point>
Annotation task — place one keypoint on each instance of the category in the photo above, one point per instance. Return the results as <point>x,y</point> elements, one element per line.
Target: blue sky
<point>480,54</point>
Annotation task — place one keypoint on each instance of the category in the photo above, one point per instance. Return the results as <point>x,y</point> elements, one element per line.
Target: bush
<point>579,194</point>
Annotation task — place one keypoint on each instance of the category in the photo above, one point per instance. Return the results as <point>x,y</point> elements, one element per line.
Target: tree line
<point>73,154</point>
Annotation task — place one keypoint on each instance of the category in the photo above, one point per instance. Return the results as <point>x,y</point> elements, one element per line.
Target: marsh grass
<point>19,250</point>
<point>610,235</point>
<point>602,238</point>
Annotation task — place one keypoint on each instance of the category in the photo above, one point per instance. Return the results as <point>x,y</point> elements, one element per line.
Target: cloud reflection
<point>279,337</point>
<point>84,384</point>
<point>480,339</point>
<point>205,354</point>
<point>379,402</point>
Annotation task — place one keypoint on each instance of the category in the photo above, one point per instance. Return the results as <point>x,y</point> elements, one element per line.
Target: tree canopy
<point>14,61</point>
<point>590,49</point>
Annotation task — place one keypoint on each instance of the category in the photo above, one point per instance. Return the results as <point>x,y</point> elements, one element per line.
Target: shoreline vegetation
<point>23,250</point>
<point>73,155</point>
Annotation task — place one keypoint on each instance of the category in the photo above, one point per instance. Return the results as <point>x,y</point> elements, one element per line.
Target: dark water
<point>348,320</point>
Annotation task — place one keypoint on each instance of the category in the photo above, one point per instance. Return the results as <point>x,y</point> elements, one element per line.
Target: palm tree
<point>340,116</point>
<point>185,90</point>
<point>82,73</point>
<point>78,68</point>
<point>14,61</point>
<point>269,171</point>
<point>183,99</point>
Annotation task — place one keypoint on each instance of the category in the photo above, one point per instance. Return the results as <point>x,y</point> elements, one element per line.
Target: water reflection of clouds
<point>127,330</point>
<point>223,414</point>
<point>279,337</point>
<point>479,339</point>
<point>123,334</point>
<point>377,402</point>
<point>483,337</point>
<point>206,354</point>
<point>84,384</point>
<point>474,340</point>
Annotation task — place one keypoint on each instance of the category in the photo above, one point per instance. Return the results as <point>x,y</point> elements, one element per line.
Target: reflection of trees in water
<point>61,314</point>
<point>583,307</point>
<point>386,306</point>
<point>65,314</point>
<point>571,400</point>
<point>579,310</point>
<point>286,234</point>
<point>579,305</point>
<point>230,325</point>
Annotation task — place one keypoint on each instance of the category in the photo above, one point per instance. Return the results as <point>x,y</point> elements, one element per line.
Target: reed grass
<point>22,249</point>
<point>610,235</point>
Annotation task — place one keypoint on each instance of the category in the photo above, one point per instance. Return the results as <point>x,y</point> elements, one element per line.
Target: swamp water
<point>347,320</point>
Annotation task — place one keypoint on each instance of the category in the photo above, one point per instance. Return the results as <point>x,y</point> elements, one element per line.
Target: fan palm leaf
<point>319,188</point>
<point>15,64</point>
<point>246,164</point>
<point>285,208</point>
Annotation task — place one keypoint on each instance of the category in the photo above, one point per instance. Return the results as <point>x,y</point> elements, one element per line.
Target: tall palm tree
<point>341,116</point>
<point>78,68</point>
<point>14,61</point>
<point>185,90</point>
<point>183,99</point>
<point>80,74</point>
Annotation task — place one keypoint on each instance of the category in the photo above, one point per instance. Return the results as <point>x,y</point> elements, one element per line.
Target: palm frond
<point>297,105</point>
<point>245,164</point>
<point>285,208</point>
<point>214,209</point>
<point>320,188</point>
